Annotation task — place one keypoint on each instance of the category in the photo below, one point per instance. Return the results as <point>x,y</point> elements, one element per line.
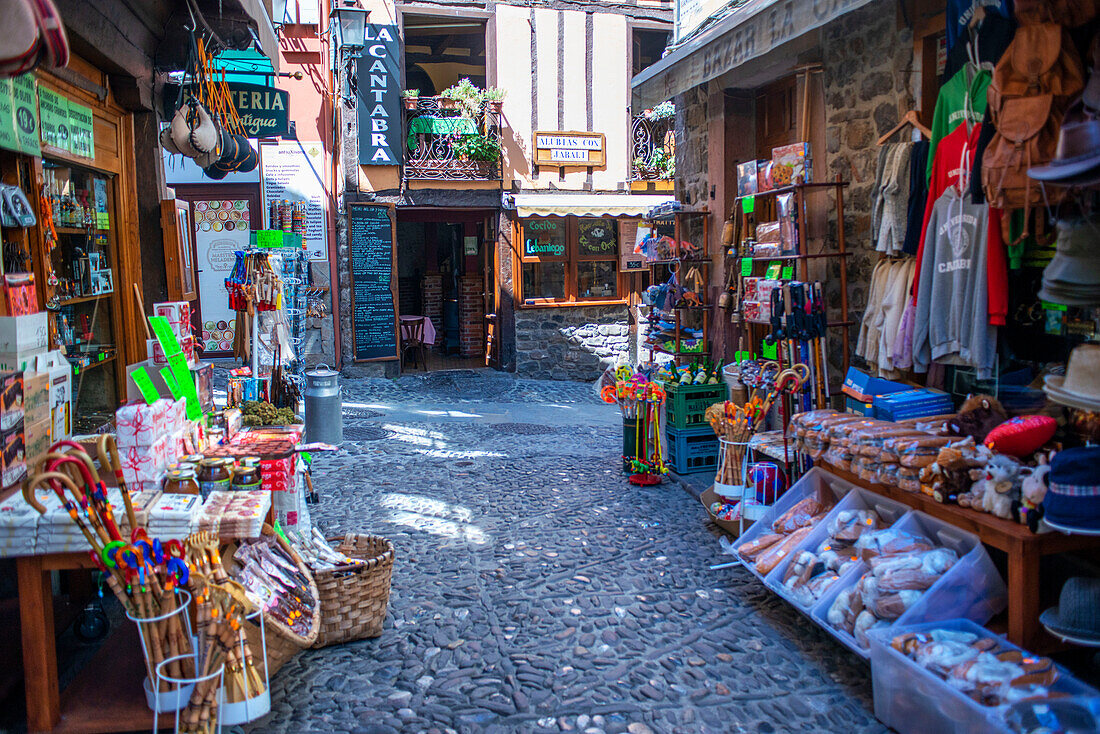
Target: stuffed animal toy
<point>949,476</point>
<point>979,415</point>
<point>996,486</point>
<point>1036,482</point>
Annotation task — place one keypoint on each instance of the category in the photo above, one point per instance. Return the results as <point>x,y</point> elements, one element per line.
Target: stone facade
<point>575,343</point>
<point>692,138</point>
<point>869,71</point>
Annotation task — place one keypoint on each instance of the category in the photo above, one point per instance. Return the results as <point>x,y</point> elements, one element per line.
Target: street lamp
<point>350,23</point>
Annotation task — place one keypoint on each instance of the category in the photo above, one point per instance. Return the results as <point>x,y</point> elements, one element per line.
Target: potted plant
<point>478,148</point>
<point>465,96</point>
<point>412,98</point>
<point>494,98</point>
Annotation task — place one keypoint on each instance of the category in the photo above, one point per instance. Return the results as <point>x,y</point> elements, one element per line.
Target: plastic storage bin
<point>909,698</point>
<point>815,480</point>
<point>858,499</point>
<point>686,405</point>
<point>692,450</point>
<point>972,588</point>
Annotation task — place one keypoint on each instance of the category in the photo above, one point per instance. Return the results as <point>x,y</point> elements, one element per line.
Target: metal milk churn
<point>324,412</point>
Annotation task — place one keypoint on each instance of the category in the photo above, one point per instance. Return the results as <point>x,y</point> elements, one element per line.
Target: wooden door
<point>776,116</point>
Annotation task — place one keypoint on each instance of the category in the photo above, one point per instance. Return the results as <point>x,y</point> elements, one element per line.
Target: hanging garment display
<point>888,219</point>
<point>918,196</point>
<point>952,316</point>
<point>985,43</point>
<point>961,13</point>
<point>882,321</point>
<point>962,101</point>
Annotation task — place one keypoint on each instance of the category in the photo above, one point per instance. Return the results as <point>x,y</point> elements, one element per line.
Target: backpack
<point>1032,86</point>
<point>1068,13</point>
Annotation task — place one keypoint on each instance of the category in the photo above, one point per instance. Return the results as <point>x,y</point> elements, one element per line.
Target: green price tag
<point>186,382</point>
<point>773,270</point>
<point>279,529</point>
<point>307,457</point>
<point>740,357</point>
<point>1048,306</point>
<point>144,383</point>
<point>788,272</point>
<point>163,331</point>
<point>746,266</point>
<point>170,381</point>
<point>102,220</point>
<point>748,204</point>
<point>769,351</point>
<point>269,238</point>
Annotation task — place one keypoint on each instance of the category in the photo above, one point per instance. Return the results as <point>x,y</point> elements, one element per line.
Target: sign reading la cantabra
<point>264,111</point>
<point>379,90</point>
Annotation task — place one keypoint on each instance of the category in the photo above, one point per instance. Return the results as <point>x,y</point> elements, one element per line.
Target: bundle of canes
<point>221,629</point>
<point>731,423</point>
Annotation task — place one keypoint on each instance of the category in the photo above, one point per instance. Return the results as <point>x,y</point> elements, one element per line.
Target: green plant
<point>468,96</point>
<point>478,148</point>
<point>411,94</point>
<point>663,111</point>
<point>495,94</point>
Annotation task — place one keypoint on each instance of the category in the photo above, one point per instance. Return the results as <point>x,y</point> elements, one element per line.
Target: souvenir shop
<point>920,475</point>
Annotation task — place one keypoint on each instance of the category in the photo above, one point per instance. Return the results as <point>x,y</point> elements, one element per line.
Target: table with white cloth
<point>429,329</point>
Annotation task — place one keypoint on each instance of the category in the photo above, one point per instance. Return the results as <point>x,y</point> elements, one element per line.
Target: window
<point>569,259</point>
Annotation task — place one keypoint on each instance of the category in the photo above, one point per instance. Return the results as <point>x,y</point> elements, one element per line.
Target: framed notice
<point>565,148</point>
<point>628,238</point>
<point>372,233</point>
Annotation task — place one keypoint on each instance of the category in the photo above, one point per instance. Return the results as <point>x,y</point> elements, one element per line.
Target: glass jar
<point>215,475</point>
<point>181,481</point>
<point>246,475</point>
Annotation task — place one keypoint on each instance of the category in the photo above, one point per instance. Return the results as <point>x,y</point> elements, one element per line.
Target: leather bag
<point>1068,13</point>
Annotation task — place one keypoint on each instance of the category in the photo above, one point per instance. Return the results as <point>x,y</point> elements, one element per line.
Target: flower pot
<point>493,106</point>
<point>411,103</point>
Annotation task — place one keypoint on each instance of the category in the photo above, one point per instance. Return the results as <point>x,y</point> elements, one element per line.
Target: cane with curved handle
<point>107,448</point>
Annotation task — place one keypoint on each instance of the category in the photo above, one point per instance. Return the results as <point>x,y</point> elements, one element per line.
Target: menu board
<point>544,237</point>
<point>374,313</point>
<point>597,238</point>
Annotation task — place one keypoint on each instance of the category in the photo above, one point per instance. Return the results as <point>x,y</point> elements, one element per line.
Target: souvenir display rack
<point>662,270</point>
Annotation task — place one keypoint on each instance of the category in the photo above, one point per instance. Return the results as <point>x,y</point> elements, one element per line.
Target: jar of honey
<point>181,481</point>
<point>246,475</point>
<point>215,475</point>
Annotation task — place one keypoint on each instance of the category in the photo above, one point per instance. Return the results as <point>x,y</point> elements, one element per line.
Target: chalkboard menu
<point>544,238</point>
<point>374,315</point>
<point>597,238</point>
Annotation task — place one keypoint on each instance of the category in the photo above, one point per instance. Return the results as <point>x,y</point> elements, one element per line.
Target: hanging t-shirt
<point>961,12</point>
<point>952,322</point>
<point>989,40</point>
<point>961,100</point>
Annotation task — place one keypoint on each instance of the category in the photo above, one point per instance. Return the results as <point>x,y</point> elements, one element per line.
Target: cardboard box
<point>861,386</point>
<point>178,314</point>
<point>23,334</point>
<point>13,457</point>
<point>852,405</point>
<point>202,373</point>
<point>60,373</point>
<point>187,346</point>
<point>36,396</point>
<point>912,404</point>
<point>11,400</point>
<point>791,164</point>
<point>764,176</point>
<point>36,439</point>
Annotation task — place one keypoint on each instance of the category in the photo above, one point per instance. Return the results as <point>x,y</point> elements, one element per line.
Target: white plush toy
<point>997,487</point>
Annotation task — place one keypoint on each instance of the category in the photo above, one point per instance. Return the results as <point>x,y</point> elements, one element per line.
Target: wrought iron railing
<point>653,146</point>
<point>450,143</point>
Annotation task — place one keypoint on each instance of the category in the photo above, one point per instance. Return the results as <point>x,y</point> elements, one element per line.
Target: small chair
<point>412,340</point>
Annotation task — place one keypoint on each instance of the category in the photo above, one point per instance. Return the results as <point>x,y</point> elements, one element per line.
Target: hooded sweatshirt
<point>952,319</point>
<point>961,101</point>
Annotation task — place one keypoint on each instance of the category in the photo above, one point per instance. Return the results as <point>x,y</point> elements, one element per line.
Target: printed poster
<point>295,171</point>
<point>221,228</point>
<point>53,110</point>
<point>25,102</point>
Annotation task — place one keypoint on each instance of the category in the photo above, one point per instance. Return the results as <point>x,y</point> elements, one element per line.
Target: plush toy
<point>946,479</point>
<point>1036,482</point>
<point>1021,436</point>
<point>996,486</point>
<point>979,415</point>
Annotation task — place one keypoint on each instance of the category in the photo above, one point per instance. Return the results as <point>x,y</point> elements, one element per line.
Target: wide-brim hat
<point>1072,277</point>
<point>1072,501</point>
<point>1078,612</point>
<point>1078,151</point>
<point>1080,387</point>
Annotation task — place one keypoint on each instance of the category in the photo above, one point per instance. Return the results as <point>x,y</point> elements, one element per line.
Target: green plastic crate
<point>686,405</point>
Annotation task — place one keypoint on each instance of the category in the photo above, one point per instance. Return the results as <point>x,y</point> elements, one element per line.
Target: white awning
<point>585,205</point>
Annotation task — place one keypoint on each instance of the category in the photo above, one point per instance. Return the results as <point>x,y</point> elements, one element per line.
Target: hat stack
<point>1080,388</point>
<point>1077,616</point>
<point>1073,275</point>
<point>1072,504</point>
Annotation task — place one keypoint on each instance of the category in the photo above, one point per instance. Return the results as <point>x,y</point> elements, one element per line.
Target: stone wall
<point>691,147</point>
<point>868,80</point>
<point>575,343</point>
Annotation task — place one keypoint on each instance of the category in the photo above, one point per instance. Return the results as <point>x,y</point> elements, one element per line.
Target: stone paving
<point>536,590</point>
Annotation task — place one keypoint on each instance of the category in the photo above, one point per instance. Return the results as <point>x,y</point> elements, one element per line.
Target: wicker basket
<point>354,598</point>
<point>284,643</point>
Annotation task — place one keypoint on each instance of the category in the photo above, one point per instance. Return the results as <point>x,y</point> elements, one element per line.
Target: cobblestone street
<point>536,590</point>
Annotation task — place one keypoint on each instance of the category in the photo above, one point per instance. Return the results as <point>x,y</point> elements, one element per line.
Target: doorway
<point>444,268</point>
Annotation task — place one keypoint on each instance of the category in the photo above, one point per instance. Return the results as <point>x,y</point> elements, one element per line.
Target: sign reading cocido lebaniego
<point>569,149</point>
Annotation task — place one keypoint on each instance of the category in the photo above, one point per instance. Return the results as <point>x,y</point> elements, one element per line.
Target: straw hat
<point>1080,388</point>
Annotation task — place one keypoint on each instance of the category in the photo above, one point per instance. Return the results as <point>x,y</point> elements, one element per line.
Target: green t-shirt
<point>961,99</point>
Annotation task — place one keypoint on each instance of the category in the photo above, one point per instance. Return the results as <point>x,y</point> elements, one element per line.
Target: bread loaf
<point>772,556</point>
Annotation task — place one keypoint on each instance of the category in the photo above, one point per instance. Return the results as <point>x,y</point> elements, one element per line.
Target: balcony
<point>447,143</point>
<point>653,144</point>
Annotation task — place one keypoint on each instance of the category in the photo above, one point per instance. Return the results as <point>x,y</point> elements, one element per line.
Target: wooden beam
<point>443,43</point>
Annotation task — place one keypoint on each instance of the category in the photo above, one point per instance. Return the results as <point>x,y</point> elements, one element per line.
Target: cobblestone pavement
<point>536,590</point>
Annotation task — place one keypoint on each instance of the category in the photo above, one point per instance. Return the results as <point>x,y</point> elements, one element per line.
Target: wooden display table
<point>1023,547</point>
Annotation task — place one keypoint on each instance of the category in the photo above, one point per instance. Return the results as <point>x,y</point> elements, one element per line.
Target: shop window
<point>569,259</point>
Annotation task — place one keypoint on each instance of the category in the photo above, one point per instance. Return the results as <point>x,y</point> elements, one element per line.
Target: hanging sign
<point>81,134</point>
<point>569,149</point>
<point>264,111</point>
<point>25,104</point>
<point>379,96</point>
<point>53,110</point>
<point>8,137</point>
